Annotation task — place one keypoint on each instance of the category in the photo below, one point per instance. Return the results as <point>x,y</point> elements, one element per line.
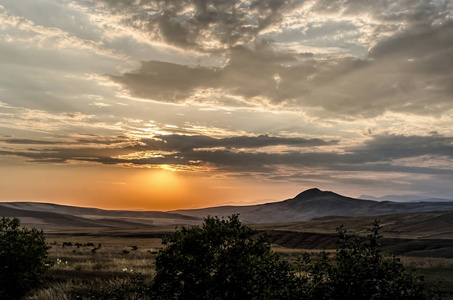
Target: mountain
<point>308,205</point>
<point>314,203</point>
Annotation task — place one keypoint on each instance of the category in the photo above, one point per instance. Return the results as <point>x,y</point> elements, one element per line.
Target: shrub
<point>69,244</point>
<point>222,259</point>
<point>360,271</point>
<point>23,259</point>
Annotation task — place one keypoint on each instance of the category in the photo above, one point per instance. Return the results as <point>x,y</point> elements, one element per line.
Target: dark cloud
<point>407,71</point>
<point>379,154</point>
<point>398,78</point>
<point>206,25</point>
<point>248,73</point>
<point>183,150</point>
<point>167,82</point>
<point>29,142</point>
<point>95,140</point>
<point>384,10</point>
<point>189,143</point>
<point>388,147</point>
<point>376,155</point>
<point>258,72</point>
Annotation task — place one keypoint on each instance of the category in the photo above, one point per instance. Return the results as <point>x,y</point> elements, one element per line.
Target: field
<point>87,265</point>
<point>100,264</point>
<point>97,254</point>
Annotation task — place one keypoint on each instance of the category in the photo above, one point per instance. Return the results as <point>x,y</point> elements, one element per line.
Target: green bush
<point>23,259</point>
<point>360,271</point>
<point>222,259</point>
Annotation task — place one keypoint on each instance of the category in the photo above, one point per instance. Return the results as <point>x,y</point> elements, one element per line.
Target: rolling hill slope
<point>310,204</point>
<point>56,217</point>
<point>420,225</point>
<point>315,203</point>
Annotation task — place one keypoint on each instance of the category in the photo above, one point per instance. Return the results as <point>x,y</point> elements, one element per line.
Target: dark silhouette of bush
<point>23,259</point>
<point>360,271</point>
<point>221,259</point>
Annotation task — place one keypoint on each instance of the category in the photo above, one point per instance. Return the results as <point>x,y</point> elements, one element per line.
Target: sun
<point>161,189</point>
<point>163,180</point>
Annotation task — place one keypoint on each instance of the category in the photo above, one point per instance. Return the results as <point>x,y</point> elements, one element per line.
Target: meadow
<point>86,267</point>
<point>106,266</point>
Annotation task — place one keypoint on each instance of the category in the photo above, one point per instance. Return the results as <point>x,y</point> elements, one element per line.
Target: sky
<point>161,104</point>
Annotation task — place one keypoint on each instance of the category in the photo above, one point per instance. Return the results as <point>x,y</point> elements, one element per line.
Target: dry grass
<point>427,262</point>
<point>111,265</point>
<point>78,268</point>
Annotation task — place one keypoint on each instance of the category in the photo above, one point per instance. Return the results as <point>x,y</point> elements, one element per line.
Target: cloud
<point>28,142</point>
<point>380,154</point>
<point>189,143</point>
<point>205,25</point>
<point>177,150</point>
<point>388,147</point>
<point>50,37</point>
<point>407,67</point>
<point>249,73</point>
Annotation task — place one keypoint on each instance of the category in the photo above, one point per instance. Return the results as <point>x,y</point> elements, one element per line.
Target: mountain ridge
<point>314,203</point>
<point>309,204</point>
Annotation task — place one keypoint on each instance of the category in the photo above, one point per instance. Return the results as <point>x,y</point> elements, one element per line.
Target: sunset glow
<point>180,104</point>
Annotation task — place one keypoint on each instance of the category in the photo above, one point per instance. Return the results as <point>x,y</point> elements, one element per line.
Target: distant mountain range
<point>406,198</point>
<point>310,204</point>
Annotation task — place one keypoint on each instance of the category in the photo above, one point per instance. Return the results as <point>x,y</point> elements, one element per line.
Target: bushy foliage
<point>360,271</point>
<point>222,259</point>
<point>23,259</point>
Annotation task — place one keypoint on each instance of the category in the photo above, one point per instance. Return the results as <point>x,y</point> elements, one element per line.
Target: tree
<point>360,271</point>
<point>222,259</point>
<point>23,259</point>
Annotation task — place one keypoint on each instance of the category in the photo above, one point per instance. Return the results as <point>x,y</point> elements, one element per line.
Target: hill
<point>420,225</point>
<point>314,203</point>
<point>308,205</point>
<point>306,221</point>
<point>421,234</point>
<point>54,217</point>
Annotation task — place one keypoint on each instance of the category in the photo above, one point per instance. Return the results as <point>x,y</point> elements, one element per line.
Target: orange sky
<point>248,101</point>
<point>113,187</point>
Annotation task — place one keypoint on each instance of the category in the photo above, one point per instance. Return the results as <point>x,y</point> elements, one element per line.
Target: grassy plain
<point>79,272</point>
<point>86,267</point>
<point>130,239</point>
